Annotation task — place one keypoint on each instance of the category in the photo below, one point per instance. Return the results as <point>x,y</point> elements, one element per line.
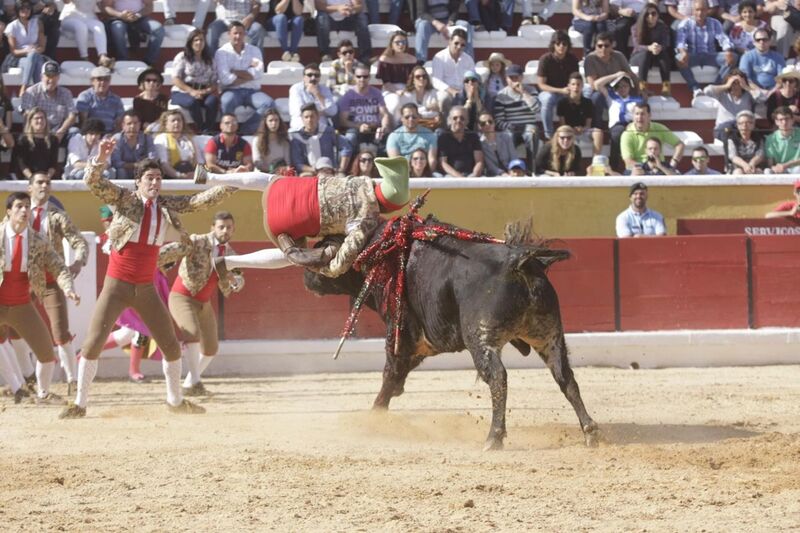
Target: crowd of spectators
<point>449,119</point>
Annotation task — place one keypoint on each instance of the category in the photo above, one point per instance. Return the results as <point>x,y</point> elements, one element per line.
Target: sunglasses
<point>601,45</point>
<point>420,76</point>
<point>347,52</point>
<point>418,158</point>
<point>486,122</point>
<point>312,74</point>
<point>458,118</point>
<point>564,137</point>
<point>761,39</point>
<point>362,76</point>
<point>365,160</point>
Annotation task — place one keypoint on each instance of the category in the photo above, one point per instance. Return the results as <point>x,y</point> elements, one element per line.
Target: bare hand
<point>107,146</point>
<point>72,295</point>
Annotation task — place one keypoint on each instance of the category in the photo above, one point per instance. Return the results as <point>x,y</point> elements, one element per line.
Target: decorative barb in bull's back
<point>385,262</point>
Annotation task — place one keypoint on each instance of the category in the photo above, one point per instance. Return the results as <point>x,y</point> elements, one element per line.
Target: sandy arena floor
<point>684,450</point>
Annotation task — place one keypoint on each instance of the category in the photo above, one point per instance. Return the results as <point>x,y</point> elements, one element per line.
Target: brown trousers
<point>196,321</point>
<point>114,298</point>
<point>55,305</point>
<point>26,321</point>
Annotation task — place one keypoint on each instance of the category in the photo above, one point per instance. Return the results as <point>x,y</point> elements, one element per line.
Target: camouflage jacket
<point>41,257</point>
<point>347,206</point>
<point>129,207</point>
<point>59,226</point>
<point>195,257</point>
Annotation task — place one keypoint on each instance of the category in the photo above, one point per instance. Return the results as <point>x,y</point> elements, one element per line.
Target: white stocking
<point>267,258</point>
<point>251,181</point>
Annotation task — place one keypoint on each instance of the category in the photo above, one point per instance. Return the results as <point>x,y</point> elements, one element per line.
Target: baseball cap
<point>471,74</point>
<point>51,68</point>
<point>517,163</point>
<point>323,162</point>
<point>638,186</point>
<point>100,72</point>
<point>514,70</point>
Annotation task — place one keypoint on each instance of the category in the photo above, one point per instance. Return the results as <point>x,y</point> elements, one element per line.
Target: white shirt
<point>78,151</point>
<point>152,237</point>
<point>449,73</point>
<point>129,5</point>
<point>9,244</point>
<point>228,60</point>
<point>43,227</point>
<point>299,96</point>
<point>630,223</point>
<point>24,37</point>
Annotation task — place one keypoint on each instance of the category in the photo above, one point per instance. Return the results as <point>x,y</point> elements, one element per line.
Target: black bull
<point>475,296</point>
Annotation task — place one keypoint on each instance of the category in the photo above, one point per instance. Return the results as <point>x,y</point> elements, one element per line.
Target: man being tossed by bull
<point>296,208</point>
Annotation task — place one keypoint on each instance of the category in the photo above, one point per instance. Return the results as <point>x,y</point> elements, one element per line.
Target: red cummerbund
<point>292,206</point>
<point>15,289</point>
<point>135,263</point>
<point>203,295</point>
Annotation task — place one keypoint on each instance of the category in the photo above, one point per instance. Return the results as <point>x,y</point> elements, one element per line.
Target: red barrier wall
<point>683,282</point>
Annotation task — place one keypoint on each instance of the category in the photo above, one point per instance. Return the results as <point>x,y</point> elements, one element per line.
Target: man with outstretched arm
<point>190,297</point>
<point>136,234</point>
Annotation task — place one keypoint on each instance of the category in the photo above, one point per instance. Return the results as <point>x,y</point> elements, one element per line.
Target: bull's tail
<point>520,234</point>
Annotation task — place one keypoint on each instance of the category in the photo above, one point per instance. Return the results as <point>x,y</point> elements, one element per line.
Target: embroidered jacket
<point>59,227</point>
<point>130,208</point>
<point>195,257</point>
<point>41,257</point>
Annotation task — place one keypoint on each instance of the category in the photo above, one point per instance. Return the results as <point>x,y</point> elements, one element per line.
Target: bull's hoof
<point>591,434</point>
<point>493,443</point>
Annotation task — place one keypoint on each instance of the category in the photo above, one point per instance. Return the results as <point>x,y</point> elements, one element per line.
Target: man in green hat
<point>297,208</point>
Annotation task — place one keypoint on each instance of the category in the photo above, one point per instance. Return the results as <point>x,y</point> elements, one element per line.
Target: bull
<point>475,296</point>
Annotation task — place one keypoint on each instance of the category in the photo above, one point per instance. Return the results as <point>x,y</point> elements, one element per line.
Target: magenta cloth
<point>131,319</point>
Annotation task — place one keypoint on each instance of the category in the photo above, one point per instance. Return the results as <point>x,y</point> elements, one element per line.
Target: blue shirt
<point>305,148</point>
<point>630,223</point>
<point>700,40</point>
<point>108,110</point>
<point>406,142</point>
<point>124,153</point>
<point>762,68</point>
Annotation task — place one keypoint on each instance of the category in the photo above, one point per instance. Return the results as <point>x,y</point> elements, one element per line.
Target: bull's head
<point>348,283</point>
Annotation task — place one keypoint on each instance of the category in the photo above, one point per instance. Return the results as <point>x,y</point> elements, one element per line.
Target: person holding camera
<point>653,165</point>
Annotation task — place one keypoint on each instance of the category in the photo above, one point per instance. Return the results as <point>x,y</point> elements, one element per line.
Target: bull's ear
<point>544,256</point>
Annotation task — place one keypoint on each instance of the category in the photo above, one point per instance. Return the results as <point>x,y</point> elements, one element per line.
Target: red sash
<point>203,295</point>
<point>135,263</point>
<point>15,289</point>
<point>292,206</point>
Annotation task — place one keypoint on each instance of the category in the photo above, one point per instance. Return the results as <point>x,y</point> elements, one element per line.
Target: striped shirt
<point>700,39</point>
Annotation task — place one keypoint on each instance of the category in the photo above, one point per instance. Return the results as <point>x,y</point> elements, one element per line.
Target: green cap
<point>393,191</point>
<point>105,212</point>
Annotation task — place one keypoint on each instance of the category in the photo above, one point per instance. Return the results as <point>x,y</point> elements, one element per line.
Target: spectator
<point>517,169</point>
<point>82,147</point>
<point>625,14</point>
<point>419,167</point>
<point>79,18</point>
<point>342,75</point>
<point>226,151</point>
<point>732,96</point>
<point>99,102</point>
<point>787,93</point>
<point>561,156</point>
<point>728,12</point>
<point>460,154</point>
<point>527,11</point>
<point>194,82</point>
<point>395,63</point>
<point>654,163</point>
<point>309,91</point>
<point>638,220</point>
<point>315,140</point>
<point>364,164</point>
<point>516,110</point>
<point>132,146</point>
<point>745,147</point>
<point>484,15</point>
<point>602,62</point>
<point>363,113</point>
<point>56,101</point>
<point>782,147</point>
<point>287,16</point>
<point>678,11</point>
<point>695,46</point>
<point>742,32</point>
<point>789,208</point>
<point>440,16</point>
<point>6,109</point>
<point>150,103</point>
<point>576,110</point>
<point>395,10</point>
<point>700,166</point>
<point>496,79</point>
<point>6,139</point>
<point>240,68</point>
<point>47,13</point>
<point>553,74</point>
<point>200,13</point>
<point>634,138</point>
<point>449,66</point>
<point>410,136</point>
<point>420,92</point>
<point>651,42</point>
<point>473,97</point>
<point>762,65</point>
<point>36,149</point>
<point>26,45</point>
<point>497,146</point>
<point>271,149</point>
<point>244,12</point>
<point>621,103</point>
<point>348,15</point>
<point>324,168</point>
<point>175,148</point>
<point>785,33</point>
<point>129,24</point>
<point>590,17</point>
